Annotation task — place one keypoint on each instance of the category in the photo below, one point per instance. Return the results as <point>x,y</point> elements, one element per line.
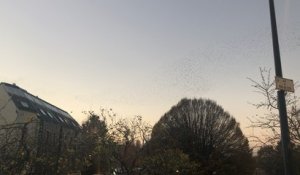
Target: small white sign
<point>284,84</point>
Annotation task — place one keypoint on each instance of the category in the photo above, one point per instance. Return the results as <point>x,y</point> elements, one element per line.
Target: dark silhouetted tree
<point>169,162</point>
<point>18,153</point>
<point>96,145</point>
<point>208,134</point>
<point>269,159</point>
<point>114,144</point>
<point>130,135</point>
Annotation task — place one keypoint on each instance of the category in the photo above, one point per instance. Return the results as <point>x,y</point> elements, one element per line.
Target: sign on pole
<point>284,84</point>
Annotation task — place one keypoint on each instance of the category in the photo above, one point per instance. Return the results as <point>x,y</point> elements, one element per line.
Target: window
<point>43,112</point>
<point>50,115</point>
<point>60,119</point>
<point>24,104</point>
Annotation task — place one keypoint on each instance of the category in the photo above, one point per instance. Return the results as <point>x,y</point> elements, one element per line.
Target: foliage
<point>113,144</point>
<point>169,162</point>
<point>19,155</point>
<point>106,144</point>
<point>129,135</point>
<point>14,150</point>
<point>205,132</point>
<point>269,159</point>
<point>95,145</point>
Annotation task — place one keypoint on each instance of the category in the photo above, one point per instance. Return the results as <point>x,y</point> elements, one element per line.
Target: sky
<point>141,57</point>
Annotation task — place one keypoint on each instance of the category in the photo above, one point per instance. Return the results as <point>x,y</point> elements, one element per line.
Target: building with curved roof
<point>47,127</point>
<point>24,101</point>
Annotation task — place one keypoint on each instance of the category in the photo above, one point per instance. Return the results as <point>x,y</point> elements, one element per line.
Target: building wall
<point>12,121</point>
<point>8,110</point>
<point>8,114</point>
<point>40,131</point>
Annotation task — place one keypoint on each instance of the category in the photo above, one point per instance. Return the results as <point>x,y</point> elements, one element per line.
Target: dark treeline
<point>196,136</point>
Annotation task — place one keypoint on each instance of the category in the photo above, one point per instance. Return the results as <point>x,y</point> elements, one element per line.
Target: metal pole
<point>285,138</point>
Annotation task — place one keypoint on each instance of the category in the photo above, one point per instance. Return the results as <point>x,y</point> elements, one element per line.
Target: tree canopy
<point>205,132</point>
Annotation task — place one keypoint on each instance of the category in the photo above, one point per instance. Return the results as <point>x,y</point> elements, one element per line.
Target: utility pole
<point>284,127</point>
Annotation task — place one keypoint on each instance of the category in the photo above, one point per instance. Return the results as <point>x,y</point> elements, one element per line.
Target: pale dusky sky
<point>141,57</point>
